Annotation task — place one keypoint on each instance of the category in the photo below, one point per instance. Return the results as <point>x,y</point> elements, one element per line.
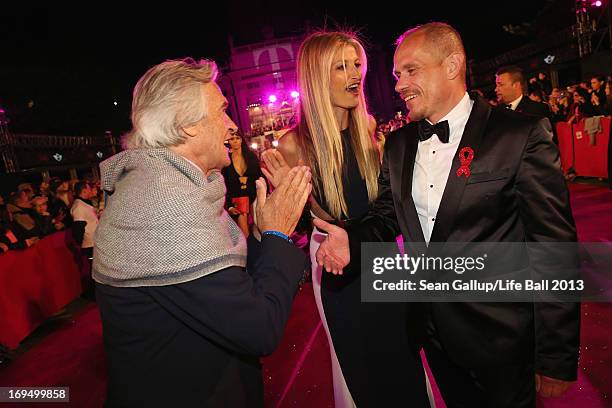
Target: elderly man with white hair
<point>185,313</point>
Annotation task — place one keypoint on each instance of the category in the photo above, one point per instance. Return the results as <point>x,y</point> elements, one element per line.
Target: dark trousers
<point>511,386</point>
<point>87,282</point>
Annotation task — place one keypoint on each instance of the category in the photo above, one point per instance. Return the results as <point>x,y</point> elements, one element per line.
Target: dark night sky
<point>73,63</point>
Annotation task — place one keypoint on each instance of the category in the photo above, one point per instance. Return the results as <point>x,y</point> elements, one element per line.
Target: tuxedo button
<point>431,186</point>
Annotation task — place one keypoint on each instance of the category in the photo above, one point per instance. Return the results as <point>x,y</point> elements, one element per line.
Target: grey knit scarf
<point>163,223</point>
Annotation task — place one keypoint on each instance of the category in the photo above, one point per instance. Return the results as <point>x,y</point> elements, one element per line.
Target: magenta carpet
<point>298,373</point>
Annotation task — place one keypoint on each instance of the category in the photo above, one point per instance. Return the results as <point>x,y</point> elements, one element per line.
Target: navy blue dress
<point>380,364</point>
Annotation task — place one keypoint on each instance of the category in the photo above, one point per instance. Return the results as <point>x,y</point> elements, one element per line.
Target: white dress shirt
<point>516,102</point>
<point>432,165</point>
<point>81,211</point>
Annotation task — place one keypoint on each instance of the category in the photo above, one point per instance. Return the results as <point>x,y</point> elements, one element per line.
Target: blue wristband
<point>278,234</point>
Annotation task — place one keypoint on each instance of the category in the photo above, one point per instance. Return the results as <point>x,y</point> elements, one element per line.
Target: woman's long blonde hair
<point>318,132</point>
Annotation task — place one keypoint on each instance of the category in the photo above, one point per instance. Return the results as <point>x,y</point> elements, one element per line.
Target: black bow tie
<point>426,130</point>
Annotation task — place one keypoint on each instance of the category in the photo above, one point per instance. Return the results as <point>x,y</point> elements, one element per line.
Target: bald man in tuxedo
<point>481,354</point>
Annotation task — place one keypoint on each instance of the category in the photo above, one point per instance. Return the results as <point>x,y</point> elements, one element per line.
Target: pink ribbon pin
<point>466,155</point>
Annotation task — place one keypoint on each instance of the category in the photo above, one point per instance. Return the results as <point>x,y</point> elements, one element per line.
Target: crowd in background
<point>32,212</point>
<point>575,102</point>
<point>280,123</point>
<point>571,104</point>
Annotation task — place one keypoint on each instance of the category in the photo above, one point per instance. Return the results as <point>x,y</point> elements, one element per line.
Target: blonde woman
<point>335,137</point>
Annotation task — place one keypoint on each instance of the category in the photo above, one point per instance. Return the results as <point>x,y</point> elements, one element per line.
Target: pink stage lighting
<point>295,94</point>
<point>596,3</point>
<point>272,98</point>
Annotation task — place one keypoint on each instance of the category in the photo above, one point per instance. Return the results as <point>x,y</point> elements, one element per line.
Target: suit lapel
<point>411,217</point>
<point>451,198</point>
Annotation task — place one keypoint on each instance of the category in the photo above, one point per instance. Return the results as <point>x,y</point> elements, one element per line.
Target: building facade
<point>260,85</point>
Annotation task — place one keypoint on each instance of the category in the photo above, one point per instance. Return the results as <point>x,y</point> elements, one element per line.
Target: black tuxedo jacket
<point>538,109</point>
<point>516,193</point>
<point>533,108</point>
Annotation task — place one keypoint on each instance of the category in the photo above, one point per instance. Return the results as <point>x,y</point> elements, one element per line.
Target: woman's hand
<point>281,210</point>
<point>276,167</point>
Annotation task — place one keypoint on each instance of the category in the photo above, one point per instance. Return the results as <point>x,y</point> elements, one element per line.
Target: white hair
<point>166,100</point>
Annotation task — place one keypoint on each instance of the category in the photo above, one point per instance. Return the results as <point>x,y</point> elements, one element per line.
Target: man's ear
<point>454,65</point>
<point>190,131</point>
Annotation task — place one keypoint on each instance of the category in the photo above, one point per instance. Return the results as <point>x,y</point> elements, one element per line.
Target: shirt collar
<point>515,102</point>
<point>88,202</point>
<point>458,116</point>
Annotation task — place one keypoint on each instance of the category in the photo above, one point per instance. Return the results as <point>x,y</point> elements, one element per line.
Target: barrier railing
<point>586,154</point>
<point>35,283</point>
